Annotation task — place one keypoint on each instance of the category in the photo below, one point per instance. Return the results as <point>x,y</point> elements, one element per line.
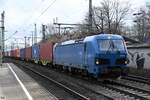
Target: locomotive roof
<point>91,38</point>
<point>103,36</point>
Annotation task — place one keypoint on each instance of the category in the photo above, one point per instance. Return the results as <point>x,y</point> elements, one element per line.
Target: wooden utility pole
<point>90,17</point>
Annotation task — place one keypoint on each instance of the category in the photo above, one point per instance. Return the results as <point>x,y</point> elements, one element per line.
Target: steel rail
<point>140,77</point>
<point>123,91</point>
<point>135,79</point>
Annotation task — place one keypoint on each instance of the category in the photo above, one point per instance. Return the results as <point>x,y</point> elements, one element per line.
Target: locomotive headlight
<point>97,62</point>
<point>126,62</point>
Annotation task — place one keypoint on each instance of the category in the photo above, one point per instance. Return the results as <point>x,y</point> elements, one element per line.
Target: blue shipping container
<point>35,53</point>
<point>22,53</point>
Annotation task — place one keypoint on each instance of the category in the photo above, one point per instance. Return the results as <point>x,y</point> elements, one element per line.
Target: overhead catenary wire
<point>29,18</point>
<point>44,10</point>
<point>47,8</point>
<point>11,36</point>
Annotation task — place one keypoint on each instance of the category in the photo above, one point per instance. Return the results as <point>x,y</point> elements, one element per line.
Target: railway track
<point>111,90</point>
<point>140,77</point>
<point>73,92</point>
<point>137,79</point>
<point>109,94</point>
<point>76,94</point>
<point>132,91</point>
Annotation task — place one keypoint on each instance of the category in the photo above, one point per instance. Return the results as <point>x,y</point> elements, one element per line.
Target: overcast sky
<point>22,14</point>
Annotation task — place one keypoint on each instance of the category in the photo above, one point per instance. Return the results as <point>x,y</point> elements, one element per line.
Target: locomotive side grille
<point>120,61</point>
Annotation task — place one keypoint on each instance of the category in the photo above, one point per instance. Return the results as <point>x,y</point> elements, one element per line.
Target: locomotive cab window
<point>111,45</point>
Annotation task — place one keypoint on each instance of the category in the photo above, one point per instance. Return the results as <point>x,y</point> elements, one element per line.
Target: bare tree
<point>107,17</point>
<point>110,15</point>
<point>142,23</point>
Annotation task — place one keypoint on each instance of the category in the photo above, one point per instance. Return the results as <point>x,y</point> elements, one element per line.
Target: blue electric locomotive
<point>96,55</point>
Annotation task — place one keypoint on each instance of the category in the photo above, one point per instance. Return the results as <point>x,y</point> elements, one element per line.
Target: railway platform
<point>17,85</point>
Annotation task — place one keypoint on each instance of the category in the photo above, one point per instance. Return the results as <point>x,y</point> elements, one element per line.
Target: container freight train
<point>94,55</point>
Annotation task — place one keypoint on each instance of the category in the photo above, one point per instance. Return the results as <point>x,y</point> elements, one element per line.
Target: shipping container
<point>17,53</point>
<point>22,53</point>
<point>35,53</point>
<point>28,53</point>
<point>46,52</point>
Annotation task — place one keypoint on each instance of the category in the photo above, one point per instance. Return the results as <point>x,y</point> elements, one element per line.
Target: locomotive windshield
<point>111,45</point>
